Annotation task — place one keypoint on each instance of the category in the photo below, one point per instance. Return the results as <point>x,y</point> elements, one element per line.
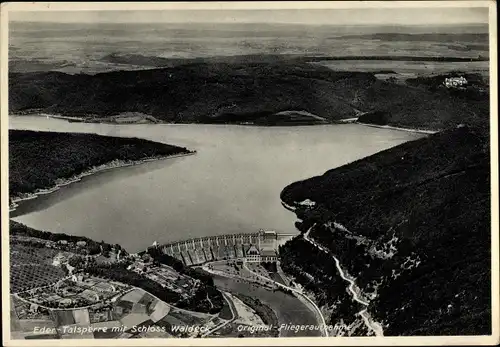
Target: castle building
<point>253,255</point>
<point>455,82</point>
<point>265,250</point>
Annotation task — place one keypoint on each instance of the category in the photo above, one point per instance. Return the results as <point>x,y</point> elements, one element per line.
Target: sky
<point>366,16</point>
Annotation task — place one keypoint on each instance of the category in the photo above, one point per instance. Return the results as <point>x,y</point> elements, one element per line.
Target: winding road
<point>353,289</point>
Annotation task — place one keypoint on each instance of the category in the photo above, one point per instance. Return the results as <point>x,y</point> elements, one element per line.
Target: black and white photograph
<point>249,173</point>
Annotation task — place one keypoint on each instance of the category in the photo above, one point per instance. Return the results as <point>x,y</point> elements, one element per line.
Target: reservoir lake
<point>231,185</point>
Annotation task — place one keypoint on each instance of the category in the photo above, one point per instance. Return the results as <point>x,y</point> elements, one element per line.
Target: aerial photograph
<point>214,173</point>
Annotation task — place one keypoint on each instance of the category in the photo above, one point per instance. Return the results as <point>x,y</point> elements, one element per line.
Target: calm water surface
<point>231,185</point>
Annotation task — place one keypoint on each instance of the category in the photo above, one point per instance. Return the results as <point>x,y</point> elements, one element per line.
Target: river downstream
<point>231,185</point>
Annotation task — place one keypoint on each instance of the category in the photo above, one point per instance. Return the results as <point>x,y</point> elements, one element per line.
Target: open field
<point>135,313</point>
<point>246,315</point>
<point>176,43</point>
<point>248,322</point>
<point>189,318</point>
<point>140,308</point>
<point>406,69</point>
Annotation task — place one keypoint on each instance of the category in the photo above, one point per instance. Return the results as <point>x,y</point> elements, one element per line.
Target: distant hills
<point>263,27</point>
<point>244,91</point>
<point>159,62</point>
<point>412,224</point>
<point>439,37</point>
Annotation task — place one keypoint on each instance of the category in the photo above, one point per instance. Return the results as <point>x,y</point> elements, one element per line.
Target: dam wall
<point>200,250</point>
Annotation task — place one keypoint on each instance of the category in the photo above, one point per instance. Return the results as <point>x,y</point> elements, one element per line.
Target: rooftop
<point>253,250</point>
<point>268,252</point>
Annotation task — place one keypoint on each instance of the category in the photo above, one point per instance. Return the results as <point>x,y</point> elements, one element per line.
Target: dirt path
<point>223,324</point>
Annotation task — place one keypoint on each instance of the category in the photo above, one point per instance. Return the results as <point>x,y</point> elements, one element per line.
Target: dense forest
<point>38,159</point>
<point>156,61</point>
<point>374,117</point>
<point>237,91</point>
<point>91,247</point>
<point>318,275</point>
<point>412,224</point>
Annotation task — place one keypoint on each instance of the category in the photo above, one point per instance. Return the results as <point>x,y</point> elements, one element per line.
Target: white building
<point>254,255</point>
<point>268,256</point>
<point>455,82</point>
<point>59,259</point>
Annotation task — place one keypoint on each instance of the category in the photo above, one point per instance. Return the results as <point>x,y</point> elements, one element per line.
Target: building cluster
<point>163,275</point>
<point>455,82</point>
<point>78,290</point>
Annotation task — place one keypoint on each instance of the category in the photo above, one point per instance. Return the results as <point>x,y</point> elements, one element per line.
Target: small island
<point>41,162</point>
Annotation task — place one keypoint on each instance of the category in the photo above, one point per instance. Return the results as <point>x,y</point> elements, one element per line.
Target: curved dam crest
<point>200,250</point>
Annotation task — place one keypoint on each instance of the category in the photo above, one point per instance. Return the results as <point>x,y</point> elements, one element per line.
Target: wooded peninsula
<point>41,160</point>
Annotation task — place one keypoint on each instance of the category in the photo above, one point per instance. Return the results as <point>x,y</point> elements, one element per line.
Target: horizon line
<point>267,23</point>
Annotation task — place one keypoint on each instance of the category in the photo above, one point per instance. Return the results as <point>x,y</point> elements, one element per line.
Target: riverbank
<point>13,203</point>
<point>299,294</point>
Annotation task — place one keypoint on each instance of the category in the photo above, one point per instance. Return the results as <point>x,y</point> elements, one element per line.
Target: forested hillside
<point>38,159</point>
<point>237,91</point>
<point>412,225</point>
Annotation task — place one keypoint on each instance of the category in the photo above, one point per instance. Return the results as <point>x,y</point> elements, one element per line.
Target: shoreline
<point>390,127</point>
<point>353,120</point>
<point>71,119</point>
<point>62,182</point>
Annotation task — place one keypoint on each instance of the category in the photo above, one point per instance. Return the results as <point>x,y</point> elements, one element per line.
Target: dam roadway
<point>200,250</point>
